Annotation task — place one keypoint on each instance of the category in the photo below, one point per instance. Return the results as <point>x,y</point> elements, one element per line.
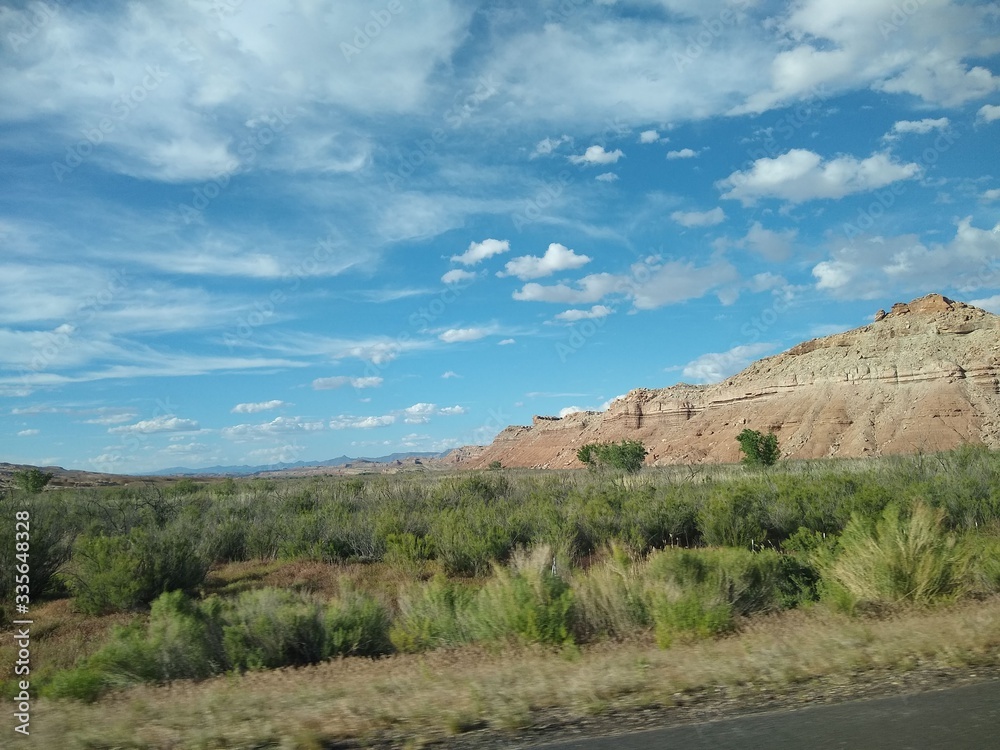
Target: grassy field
<point>414,607</point>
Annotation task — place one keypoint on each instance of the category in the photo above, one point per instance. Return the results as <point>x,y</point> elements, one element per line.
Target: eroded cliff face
<point>923,377</point>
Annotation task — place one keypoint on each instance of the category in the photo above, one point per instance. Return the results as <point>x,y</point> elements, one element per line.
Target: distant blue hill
<point>243,470</point>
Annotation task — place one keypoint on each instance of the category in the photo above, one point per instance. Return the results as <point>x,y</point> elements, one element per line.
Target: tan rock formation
<point>923,377</point>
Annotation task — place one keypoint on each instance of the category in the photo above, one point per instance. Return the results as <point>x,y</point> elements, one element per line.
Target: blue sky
<point>247,232</point>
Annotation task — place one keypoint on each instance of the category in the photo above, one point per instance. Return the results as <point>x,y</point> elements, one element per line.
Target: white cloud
<point>422,412</point>
<point>556,258</point>
<point>457,276</point>
<point>770,245</point>
<point>649,136</point>
<point>988,113</point>
<point>800,175</point>
<point>992,194</point>
<point>699,218</point>
<point>456,335</point>
<point>28,433</point>
<point>450,374</point>
<point>919,127</point>
<point>990,304</point>
<point>947,82</point>
<point>567,410</point>
<point>597,311</point>
<point>339,381</point>
<point>253,408</point>
<point>165,423</point>
<point>869,267</point>
<point>716,366</point>
<point>479,251</point>
<point>684,153</point>
<point>361,423</point>
<point>506,342</point>
<point>277,426</point>
<point>607,177</point>
<point>597,155</point>
<point>677,281</point>
<point>547,145</point>
<point>589,289</point>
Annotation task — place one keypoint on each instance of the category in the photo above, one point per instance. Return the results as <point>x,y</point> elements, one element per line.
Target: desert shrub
<point>51,533</point>
<point>896,558</point>
<point>469,540</point>
<point>83,683</point>
<point>525,601</point>
<point>268,628</point>
<point>356,625</point>
<point>983,552</point>
<point>608,599</point>
<point>700,592</point>
<point>432,615</point>
<point>407,549</point>
<point>115,573</point>
<point>731,517</point>
<point>32,480</point>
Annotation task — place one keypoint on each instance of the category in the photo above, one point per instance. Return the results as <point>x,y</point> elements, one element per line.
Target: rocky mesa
<point>924,376</point>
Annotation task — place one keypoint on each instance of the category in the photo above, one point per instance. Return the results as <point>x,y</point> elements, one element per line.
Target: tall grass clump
<point>700,593</point>
<point>269,628</point>
<point>894,559</point>
<point>432,615</point>
<point>608,598</point>
<point>527,601</point>
<point>356,624</point>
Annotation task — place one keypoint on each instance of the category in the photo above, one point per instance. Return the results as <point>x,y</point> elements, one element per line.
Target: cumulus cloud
<point>277,426</point>
<point>457,276</point>
<point>990,304</point>
<point>165,423</point>
<point>801,175</point>
<point>506,342</point>
<point>699,218</point>
<point>456,335</point>
<point>479,251</point>
<point>607,177</point>
<point>556,258</point>
<point>589,289</point>
<point>339,381</point>
<point>919,127</point>
<point>597,155</point>
<point>28,433</point>
<point>361,423</point>
<point>649,136</point>
<point>771,245</point>
<point>253,408</point>
<point>716,366</point>
<point>677,281</point>
<point>867,267</point>
<point>684,153</point>
<point>988,113</point>
<point>450,374</point>
<point>422,412</point>
<point>992,194</point>
<point>597,311</point>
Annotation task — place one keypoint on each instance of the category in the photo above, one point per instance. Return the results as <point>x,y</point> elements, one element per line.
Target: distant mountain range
<point>244,470</point>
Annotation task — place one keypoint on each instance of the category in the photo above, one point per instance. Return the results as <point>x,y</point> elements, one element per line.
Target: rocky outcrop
<point>923,377</point>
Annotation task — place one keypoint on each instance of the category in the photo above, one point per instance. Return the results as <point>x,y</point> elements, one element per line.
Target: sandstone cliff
<point>923,377</point>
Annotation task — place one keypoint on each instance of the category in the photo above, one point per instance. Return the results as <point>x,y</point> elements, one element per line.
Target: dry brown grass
<point>428,696</point>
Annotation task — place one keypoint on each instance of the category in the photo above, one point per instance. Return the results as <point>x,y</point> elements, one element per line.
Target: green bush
<point>731,517</point>
<point>759,449</point>
<point>32,481</point>
<point>84,683</point>
<point>627,456</point>
<point>895,559</point>
<point>356,625</point>
<point>117,573</point>
<point>609,600</point>
<point>269,628</point>
<point>432,616</point>
<point>526,602</point>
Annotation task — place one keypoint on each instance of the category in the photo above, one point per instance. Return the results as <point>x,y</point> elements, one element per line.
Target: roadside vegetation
<point>139,587</point>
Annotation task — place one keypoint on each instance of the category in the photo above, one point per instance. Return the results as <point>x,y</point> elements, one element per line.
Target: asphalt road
<point>961,718</point>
